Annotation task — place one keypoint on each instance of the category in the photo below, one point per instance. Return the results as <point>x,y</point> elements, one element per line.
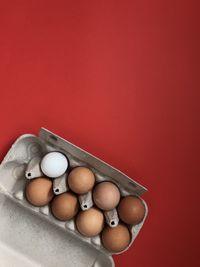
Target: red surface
<point>118,78</point>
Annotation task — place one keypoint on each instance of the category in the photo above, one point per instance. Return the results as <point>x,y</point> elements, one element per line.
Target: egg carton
<point>32,236</point>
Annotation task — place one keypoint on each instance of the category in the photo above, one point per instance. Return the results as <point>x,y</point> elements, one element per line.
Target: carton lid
<point>27,240</point>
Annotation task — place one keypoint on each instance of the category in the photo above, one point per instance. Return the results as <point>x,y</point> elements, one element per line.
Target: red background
<point>119,79</point>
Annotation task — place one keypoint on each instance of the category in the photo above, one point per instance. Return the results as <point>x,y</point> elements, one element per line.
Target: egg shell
<point>115,239</point>
<point>54,164</point>
<point>131,210</point>
<point>65,206</point>
<point>39,191</point>
<point>81,180</point>
<point>90,222</point>
<point>106,195</point>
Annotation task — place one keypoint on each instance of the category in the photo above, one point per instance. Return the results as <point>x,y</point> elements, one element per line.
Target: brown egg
<point>115,239</point>
<point>131,210</point>
<point>81,180</point>
<point>65,206</point>
<point>90,222</point>
<point>106,195</point>
<point>39,191</point>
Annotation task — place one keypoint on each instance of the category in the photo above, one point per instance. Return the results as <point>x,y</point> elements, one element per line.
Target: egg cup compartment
<point>12,184</point>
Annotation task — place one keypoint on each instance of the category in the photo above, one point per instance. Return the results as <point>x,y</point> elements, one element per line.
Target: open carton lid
<point>31,236</point>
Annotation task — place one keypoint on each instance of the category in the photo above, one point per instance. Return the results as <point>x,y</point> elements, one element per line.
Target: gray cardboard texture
<point>31,236</point>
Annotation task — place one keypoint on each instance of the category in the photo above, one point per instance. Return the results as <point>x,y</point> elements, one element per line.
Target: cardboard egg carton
<point>32,236</point>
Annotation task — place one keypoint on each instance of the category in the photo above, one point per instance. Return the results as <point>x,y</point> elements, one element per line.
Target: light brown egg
<point>81,180</point>
<point>39,191</point>
<point>90,222</point>
<point>106,195</point>
<point>115,239</point>
<point>131,210</point>
<point>65,206</point>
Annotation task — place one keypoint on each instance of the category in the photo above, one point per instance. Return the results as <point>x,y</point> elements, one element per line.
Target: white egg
<point>54,164</point>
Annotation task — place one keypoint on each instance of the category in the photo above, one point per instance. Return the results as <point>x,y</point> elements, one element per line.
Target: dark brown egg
<point>115,239</point>
<point>65,206</point>
<point>131,210</point>
<point>39,191</point>
<point>81,180</point>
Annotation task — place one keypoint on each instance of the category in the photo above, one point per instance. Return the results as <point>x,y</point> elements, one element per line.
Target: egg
<point>131,210</point>
<point>115,239</point>
<point>39,191</point>
<point>106,195</point>
<point>81,180</point>
<point>54,164</point>
<point>65,206</point>
<point>90,222</point>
